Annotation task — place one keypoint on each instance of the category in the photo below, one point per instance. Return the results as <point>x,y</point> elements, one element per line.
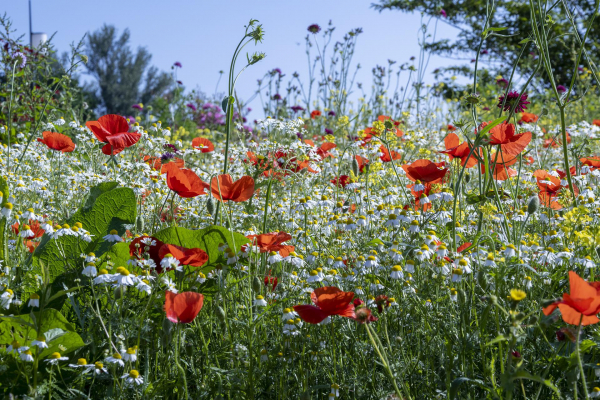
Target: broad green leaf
<point>54,326</point>
<point>97,191</point>
<point>375,242</point>
<point>207,239</point>
<point>119,255</point>
<point>112,209</point>
<point>497,339</point>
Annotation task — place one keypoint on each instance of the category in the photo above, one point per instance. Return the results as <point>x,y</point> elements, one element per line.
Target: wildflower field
<point>353,243</point>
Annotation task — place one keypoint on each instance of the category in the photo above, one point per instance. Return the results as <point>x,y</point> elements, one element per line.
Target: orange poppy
<point>389,156</point>
<point>596,122</point>
<point>156,163</point>
<point>57,141</point>
<point>328,301</point>
<point>193,257</point>
<point>205,145</point>
<point>581,305</point>
<point>454,149</point>
<point>315,113</point>
<point>529,117</point>
<point>341,180</point>
<point>425,171</point>
<point>184,181</point>
<point>556,143</point>
<point>268,242</point>
<point>503,135</point>
<point>183,307</point>
<point>550,186</point>
<point>113,130</point>
<point>362,162</point>
<point>323,151</point>
<point>223,188</point>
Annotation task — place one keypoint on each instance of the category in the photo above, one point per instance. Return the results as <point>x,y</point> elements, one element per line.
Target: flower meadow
<point>391,248</point>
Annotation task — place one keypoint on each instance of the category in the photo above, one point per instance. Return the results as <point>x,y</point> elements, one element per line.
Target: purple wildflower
<point>514,100</point>
<point>277,96</point>
<point>20,57</point>
<point>561,89</point>
<point>300,135</point>
<point>443,13</point>
<point>503,83</point>
<point>276,71</point>
<point>177,64</point>
<point>137,107</point>
<point>180,83</point>
<point>166,157</point>
<point>314,28</point>
<point>485,51</point>
<point>328,131</point>
<point>331,113</point>
<point>296,108</point>
<point>193,107</point>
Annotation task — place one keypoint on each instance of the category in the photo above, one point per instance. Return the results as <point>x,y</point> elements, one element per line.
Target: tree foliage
<point>123,77</point>
<point>503,49</point>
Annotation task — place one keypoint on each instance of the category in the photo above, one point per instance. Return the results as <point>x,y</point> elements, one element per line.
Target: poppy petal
<point>311,314</point>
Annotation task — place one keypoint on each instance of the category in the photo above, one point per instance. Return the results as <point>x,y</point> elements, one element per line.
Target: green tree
<point>122,77</point>
<point>503,49</point>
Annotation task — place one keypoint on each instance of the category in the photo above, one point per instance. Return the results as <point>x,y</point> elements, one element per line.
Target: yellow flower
<point>517,294</point>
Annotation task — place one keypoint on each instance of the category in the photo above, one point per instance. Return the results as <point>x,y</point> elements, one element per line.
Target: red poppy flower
<point>315,113</point>
<point>34,226</point>
<point>550,186</point>
<point>225,189</point>
<point>556,143</point>
<point>323,151</point>
<point>450,128</point>
<point>341,180</point>
<point>387,156</point>
<point>204,144</point>
<point>592,162</point>
<point>183,307</point>
<point>425,171</point>
<point>582,302</point>
<point>501,170</point>
<point>184,181</point>
<point>113,130</point>
<point>156,163</point>
<point>503,135</point>
<point>529,117</point>
<point>193,257</point>
<point>362,162</point>
<point>596,122</point>
<point>454,149</point>
<point>328,301</point>
<point>57,141</point>
<point>268,242</point>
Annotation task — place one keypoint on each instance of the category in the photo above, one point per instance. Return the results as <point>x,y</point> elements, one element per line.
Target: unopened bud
<point>482,279</point>
<point>140,223</point>
<point>256,284</point>
<point>210,205</point>
<point>220,314</point>
<point>120,292</point>
<point>355,168</point>
<point>533,205</point>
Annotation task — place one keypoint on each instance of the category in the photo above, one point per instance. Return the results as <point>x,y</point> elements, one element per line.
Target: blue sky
<point>202,34</point>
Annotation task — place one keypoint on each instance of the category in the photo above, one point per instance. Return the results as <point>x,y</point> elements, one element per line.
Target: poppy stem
<point>581,371</point>
<point>268,196</point>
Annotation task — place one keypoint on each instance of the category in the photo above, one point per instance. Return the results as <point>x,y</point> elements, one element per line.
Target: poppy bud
<point>493,300</point>
<point>220,314</point>
<point>210,205</point>
<point>355,168</point>
<point>189,349</point>
<point>140,223</point>
<point>388,124</point>
<point>533,205</point>
<point>482,279</point>
<point>256,284</point>
<point>467,177</point>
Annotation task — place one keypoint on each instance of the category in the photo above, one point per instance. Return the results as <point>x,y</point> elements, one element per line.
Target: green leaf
<point>497,339</point>
<point>119,255</point>
<point>586,345</point>
<point>459,381</point>
<point>207,239</point>
<point>375,242</point>
<point>54,326</point>
<point>522,374</point>
<point>488,30</point>
<point>112,209</point>
<point>97,191</point>
<point>4,191</point>
<point>491,125</point>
